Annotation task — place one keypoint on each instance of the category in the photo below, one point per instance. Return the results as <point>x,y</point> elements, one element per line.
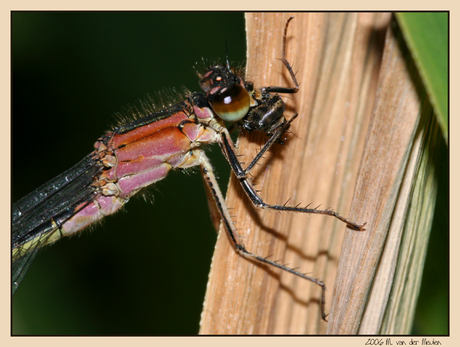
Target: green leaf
<point>426,34</point>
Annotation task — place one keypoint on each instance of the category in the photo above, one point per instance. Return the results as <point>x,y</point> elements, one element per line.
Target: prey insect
<point>137,154</point>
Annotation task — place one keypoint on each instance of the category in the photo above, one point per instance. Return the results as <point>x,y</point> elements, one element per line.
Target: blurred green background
<point>142,271</point>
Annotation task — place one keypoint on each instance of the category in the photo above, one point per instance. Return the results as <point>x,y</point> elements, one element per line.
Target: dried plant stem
<point>338,61</point>
<point>380,271</point>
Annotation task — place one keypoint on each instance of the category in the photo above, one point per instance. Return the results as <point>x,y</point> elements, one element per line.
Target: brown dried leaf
<point>337,58</point>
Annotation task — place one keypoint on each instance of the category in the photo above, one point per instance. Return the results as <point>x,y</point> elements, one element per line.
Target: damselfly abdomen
<point>116,174</point>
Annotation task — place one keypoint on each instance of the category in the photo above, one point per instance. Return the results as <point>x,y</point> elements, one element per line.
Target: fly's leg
<point>284,126</point>
<point>216,214</point>
<point>214,190</point>
<point>275,136</point>
<point>289,68</point>
<point>227,147</point>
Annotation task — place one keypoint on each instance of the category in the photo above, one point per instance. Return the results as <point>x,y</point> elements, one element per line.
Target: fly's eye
<point>233,104</point>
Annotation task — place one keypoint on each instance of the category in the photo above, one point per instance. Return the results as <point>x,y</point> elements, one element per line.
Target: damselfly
<point>263,111</point>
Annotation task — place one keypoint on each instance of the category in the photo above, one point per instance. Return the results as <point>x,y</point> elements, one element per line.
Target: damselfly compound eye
<point>233,104</point>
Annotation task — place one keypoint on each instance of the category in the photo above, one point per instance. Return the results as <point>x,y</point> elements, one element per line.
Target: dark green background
<point>144,270</point>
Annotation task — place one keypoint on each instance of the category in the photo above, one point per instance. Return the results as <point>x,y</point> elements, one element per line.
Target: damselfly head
<point>226,93</point>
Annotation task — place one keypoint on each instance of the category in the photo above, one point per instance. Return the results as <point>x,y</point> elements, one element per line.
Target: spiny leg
<point>288,67</point>
<point>227,147</point>
<point>213,188</point>
<point>279,131</point>
<point>273,138</point>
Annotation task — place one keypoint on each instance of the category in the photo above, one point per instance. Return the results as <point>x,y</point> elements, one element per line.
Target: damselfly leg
<point>268,116</point>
